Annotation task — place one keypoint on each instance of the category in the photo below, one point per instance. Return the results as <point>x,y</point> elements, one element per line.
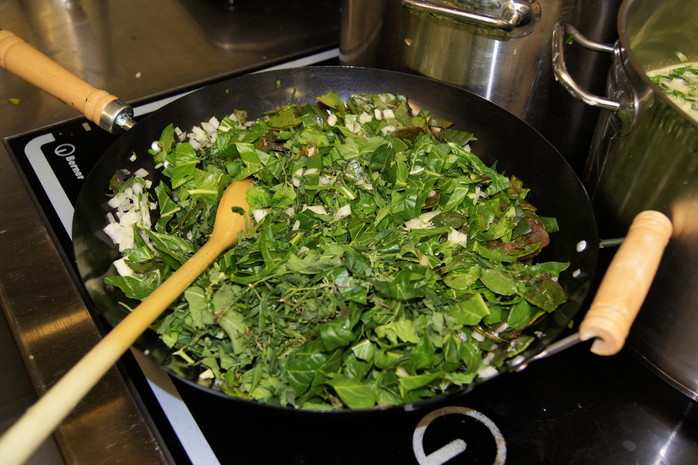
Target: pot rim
<point>627,52</point>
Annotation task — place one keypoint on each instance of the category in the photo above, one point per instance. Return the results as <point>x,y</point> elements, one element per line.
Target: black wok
<point>502,138</point>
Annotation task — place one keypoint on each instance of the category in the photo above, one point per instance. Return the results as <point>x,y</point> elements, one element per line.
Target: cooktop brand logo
<point>483,437</point>
<point>66,151</point>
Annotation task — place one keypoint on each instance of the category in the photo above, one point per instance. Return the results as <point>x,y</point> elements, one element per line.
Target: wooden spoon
<point>30,431</point>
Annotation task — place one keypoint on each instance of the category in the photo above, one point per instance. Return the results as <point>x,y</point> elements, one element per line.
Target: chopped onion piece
<point>457,237</point>
<point>259,214</point>
<point>317,209</point>
<point>141,173</point>
<point>423,221</point>
<point>122,268</point>
<point>343,212</point>
<point>388,129</point>
<point>487,372</point>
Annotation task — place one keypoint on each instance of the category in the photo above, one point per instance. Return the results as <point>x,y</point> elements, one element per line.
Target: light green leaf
<point>354,393</point>
<point>471,311</point>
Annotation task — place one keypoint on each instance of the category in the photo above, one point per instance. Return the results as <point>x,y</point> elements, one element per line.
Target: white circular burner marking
<point>457,446</point>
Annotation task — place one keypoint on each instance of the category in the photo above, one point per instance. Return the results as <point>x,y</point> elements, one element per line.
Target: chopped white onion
<point>259,214</point>
<point>457,237</point>
<point>317,209</point>
<point>487,372</point>
<point>141,173</point>
<point>423,221</point>
<point>122,268</point>
<point>343,212</point>
<point>388,129</point>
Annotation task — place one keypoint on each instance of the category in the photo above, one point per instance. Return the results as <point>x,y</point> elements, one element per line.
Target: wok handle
<point>626,283</point>
<point>28,63</point>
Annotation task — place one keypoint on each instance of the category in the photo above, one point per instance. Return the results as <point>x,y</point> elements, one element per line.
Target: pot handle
<point>513,13</point>
<point>99,106</point>
<point>560,67</point>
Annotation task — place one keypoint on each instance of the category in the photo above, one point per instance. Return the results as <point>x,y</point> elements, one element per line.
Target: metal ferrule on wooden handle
<point>99,106</point>
<point>626,283</point>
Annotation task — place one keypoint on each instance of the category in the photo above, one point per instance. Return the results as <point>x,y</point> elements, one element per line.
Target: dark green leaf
<point>498,281</point>
<point>547,294</point>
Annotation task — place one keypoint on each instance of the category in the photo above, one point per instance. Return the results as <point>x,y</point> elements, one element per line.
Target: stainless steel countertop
<point>137,50</point>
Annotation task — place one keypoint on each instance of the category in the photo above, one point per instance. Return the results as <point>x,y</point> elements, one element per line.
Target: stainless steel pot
<point>498,49</point>
<point>645,155</point>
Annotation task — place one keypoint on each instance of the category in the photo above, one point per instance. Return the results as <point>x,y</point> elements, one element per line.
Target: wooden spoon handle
<point>626,283</point>
<point>27,434</point>
<point>28,63</point>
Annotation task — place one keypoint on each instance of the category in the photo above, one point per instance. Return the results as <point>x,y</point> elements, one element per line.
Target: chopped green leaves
<point>680,84</point>
<point>386,262</point>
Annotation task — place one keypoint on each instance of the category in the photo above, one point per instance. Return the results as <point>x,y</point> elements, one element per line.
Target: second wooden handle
<point>626,283</point>
<point>28,63</point>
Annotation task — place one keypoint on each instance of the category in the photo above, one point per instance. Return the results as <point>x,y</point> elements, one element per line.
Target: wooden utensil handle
<point>39,421</point>
<point>28,63</point>
<point>626,283</point>
<point>25,436</point>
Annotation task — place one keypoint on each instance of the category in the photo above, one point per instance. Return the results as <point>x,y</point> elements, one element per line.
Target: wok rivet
<point>581,246</point>
<point>576,273</point>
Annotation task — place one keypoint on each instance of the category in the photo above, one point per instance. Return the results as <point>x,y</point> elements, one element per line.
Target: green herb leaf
<point>354,393</point>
